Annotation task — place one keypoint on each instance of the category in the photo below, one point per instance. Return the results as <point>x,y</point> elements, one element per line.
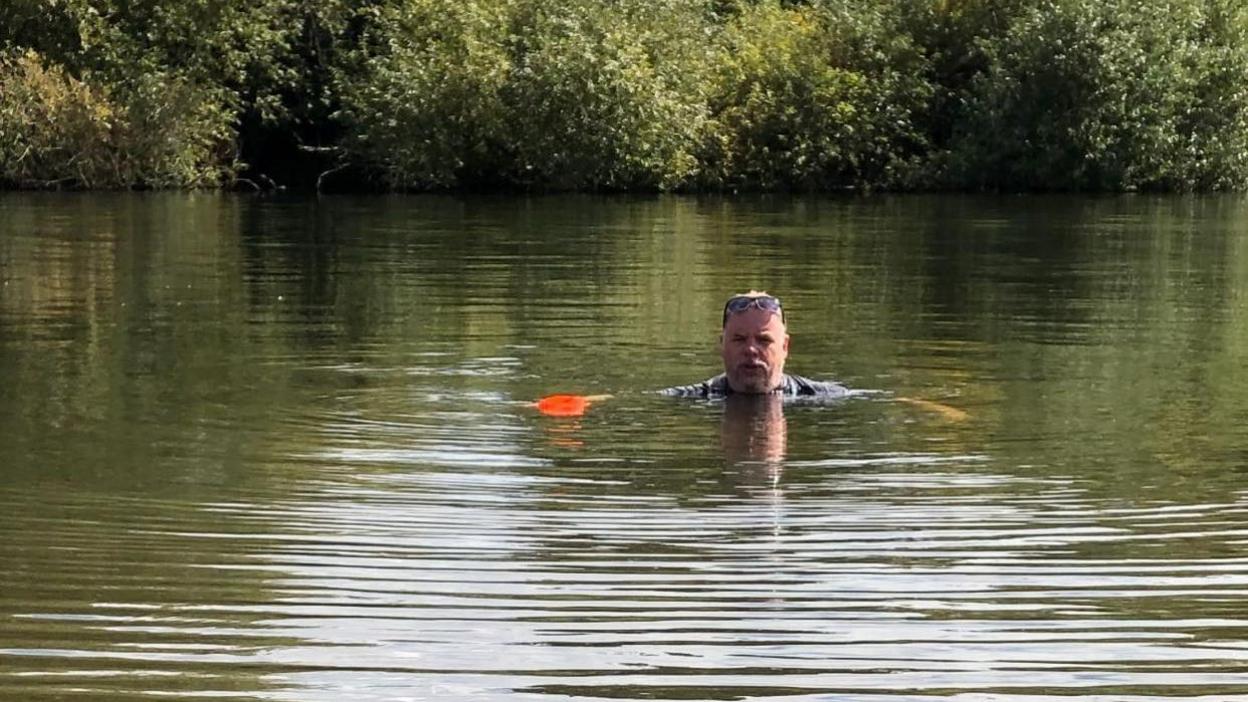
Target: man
<point>754,345</point>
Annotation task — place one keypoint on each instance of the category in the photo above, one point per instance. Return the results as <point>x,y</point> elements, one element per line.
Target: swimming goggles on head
<point>740,303</point>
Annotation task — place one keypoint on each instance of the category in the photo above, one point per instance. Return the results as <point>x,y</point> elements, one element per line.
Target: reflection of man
<point>754,345</point>
<point>753,428</point>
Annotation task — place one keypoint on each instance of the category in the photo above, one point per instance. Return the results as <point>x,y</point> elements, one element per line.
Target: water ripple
<point>506,584</point>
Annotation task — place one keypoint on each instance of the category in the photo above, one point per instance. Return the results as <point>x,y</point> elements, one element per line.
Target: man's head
<point>755,342</point>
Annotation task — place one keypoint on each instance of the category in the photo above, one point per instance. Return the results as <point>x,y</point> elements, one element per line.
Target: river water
<point>283,449</point>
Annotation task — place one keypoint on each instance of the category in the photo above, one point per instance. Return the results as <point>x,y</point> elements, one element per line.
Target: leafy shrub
<point>243,51</point>
<point>1111,96</point>
<point>814,97</point>
<point>952,36</point>
<point>57,130</point>
<point>180,76</point>
<point>174,133</point>
<point>50,29</point>
<point>609,93</point>
<point>54,129</point>
<point>618,94</point>
<point>580,94</point>
<point>423,104</point>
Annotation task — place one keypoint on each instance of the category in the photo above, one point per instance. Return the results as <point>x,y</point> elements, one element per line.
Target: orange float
<point>566,405</point>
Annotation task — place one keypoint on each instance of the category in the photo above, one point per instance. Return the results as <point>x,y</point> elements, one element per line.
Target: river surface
<point>284,449</point>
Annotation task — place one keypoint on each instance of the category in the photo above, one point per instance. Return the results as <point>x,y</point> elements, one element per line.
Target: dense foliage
<point>816,97</point>
<point>626,94</point>
<point>1112,95</point>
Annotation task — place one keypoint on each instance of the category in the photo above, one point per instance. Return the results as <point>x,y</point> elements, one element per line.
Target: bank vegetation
<point>686,95</point>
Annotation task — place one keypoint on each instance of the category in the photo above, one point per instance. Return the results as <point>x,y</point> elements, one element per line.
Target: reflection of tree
<point>113,596</point>
<point>132,396</point>
<point>1117,308</point>
<point>190,350</point>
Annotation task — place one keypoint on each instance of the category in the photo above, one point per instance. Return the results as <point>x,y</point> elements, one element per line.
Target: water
<point>281,450</point>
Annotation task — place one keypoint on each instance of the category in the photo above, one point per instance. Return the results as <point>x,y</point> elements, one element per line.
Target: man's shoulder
<point>711,387</point>
<point>805,387</point>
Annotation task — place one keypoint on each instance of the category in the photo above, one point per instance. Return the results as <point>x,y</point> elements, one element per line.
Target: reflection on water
<point>284,450</point>
<point>753,431</point>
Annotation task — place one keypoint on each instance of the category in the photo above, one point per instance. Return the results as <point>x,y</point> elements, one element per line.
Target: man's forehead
<point>754,322</point>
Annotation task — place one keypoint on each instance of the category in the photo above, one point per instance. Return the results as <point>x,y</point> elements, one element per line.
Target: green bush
<point>49,28</point>
<point>174,133</point>
<point>814,97</point>
<point>629,94</point>
<point>241,50</point>
<point>1111,96</point>
<point>581,94</point>
<point>609,93</point>
<point>139,93</point>
<point>54,129</point>
<point>59,131</point>
<point>952,36</point>
<point>422,104</point>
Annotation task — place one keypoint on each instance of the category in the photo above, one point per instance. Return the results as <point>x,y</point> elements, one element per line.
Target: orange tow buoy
<point>566,405</point>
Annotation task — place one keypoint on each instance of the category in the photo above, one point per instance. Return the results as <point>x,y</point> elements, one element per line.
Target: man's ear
<point>786,343</point>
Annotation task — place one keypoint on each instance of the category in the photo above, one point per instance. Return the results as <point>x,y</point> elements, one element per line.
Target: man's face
<point>754,347</point>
